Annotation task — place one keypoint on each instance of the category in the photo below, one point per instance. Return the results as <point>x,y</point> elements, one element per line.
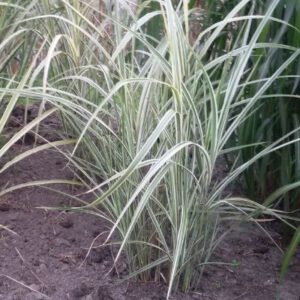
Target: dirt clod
<point>98,255</point>
<point>4,206</point>
<point>66,222</point>
<point>104,293</point>
<point>81,291</point>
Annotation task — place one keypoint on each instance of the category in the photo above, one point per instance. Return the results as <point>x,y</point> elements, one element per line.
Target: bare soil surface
<point>45,259</point>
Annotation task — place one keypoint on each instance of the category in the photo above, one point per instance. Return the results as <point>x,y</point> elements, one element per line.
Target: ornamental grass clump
<point>17,66</point>
<point>152,115</point>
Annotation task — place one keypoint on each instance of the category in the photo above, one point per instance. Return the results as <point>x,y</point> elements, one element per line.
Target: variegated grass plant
<point>17,64</point>
<point>152,115</point>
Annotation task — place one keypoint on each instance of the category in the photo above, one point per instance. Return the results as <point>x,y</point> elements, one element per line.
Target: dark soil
<point>47,254</point>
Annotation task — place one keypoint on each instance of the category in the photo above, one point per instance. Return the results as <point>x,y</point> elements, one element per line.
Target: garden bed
<point>47,254</point>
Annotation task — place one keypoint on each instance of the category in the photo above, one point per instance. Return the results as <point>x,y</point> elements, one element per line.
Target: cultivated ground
<point>48,253</point>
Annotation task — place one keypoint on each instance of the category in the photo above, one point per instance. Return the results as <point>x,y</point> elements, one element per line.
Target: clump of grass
<point>151,117</point>
<point>277,116</point>
<point>17,65</point>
